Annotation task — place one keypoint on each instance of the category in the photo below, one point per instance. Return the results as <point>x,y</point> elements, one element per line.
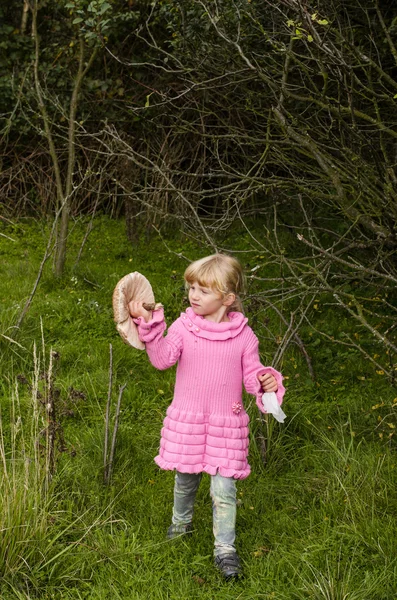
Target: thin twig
<point>7,237</point>
<point>105,450</point>
<point>89,227</point>
<point>296,337</point>
<point>115,429</point>
<point>47,254</point>
<point>355,266</point>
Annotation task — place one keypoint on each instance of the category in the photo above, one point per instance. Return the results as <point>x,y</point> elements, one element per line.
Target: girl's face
<point>209,303</point>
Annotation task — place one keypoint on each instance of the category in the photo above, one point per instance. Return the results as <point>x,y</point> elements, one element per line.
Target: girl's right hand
<point>136,310</point>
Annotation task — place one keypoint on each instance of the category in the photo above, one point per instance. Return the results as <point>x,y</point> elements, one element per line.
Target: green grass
<point>316,522</point>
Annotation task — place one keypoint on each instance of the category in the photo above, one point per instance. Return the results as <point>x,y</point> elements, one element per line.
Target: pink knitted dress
<point>206,426</point>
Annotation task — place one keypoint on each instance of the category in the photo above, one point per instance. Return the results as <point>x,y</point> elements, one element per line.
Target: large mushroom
<point>133,286</point>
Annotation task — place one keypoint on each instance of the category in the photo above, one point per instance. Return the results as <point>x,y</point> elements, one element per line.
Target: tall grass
<point>44,539</point>
<point>25,490</point>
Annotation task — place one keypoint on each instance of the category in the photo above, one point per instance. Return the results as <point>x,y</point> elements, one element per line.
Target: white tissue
<point>271,405</point>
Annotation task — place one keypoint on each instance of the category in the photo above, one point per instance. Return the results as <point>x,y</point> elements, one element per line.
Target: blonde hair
<point>221,273</point>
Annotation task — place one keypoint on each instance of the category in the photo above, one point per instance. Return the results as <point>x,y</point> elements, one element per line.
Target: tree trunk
<point>65,215</point>
<point>24,20</point>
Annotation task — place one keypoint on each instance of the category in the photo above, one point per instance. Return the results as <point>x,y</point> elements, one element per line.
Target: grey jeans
<point>223,494</point>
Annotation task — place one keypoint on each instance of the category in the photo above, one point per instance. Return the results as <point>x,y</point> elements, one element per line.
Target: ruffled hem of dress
<point>201,468</point>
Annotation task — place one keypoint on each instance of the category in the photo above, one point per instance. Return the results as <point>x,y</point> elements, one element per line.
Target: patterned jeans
<point>223,494</point>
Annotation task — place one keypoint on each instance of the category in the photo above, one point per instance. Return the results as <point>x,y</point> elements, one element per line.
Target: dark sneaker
<point>229,565</point>
<point>177,530</point>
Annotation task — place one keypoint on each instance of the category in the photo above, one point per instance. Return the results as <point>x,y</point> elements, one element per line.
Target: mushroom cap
<point>133,286</point>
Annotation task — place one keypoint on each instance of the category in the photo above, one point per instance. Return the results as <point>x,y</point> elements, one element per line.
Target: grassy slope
<point>317,522</point>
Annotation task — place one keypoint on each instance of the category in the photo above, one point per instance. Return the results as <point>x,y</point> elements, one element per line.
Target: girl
<point>206,427</point>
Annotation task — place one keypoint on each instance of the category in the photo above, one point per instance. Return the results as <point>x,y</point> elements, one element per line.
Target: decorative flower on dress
<point>237,408</point>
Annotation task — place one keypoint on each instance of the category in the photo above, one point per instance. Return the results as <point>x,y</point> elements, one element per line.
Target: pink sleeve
<point>252,367</point>
<point>163,352</point>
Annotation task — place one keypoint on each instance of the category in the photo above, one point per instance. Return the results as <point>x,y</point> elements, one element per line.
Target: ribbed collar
<point>209,330</point>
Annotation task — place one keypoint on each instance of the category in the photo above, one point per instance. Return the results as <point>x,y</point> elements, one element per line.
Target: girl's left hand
<point>268,382</point>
